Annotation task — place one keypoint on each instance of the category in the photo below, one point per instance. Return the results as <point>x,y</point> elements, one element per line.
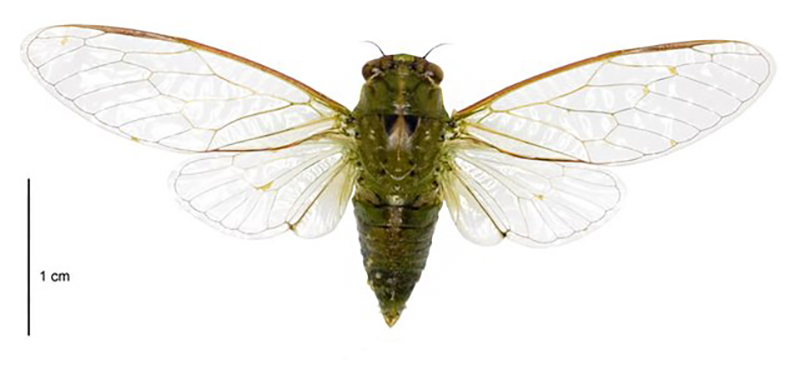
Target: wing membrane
<point>491,196</point>
<point>175,93</point>
<point>259,194</point>
<point>624,106</point>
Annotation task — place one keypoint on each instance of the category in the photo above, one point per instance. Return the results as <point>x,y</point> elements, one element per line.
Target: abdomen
<point>394,243</point>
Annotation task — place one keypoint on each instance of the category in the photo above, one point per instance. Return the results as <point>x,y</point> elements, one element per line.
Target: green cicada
<point>525,163</point>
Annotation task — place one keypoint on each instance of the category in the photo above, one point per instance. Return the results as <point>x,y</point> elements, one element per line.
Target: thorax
<point>400,124</point>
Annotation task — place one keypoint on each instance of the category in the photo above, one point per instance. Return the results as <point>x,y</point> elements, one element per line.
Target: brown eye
<point>369,69</point>
<point>435,72</point>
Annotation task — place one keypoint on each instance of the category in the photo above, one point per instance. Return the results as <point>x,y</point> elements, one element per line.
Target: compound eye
<point>435,73</point>
<point>369,69</point>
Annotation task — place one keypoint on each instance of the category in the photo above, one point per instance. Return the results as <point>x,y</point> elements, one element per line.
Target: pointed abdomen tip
<point>391,317</point>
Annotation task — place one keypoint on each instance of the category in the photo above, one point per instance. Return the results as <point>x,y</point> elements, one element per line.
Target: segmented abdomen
<point>394,243</point>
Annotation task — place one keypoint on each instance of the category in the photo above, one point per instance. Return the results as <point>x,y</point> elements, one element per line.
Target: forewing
<point>492,195</point>
<point>175,93</point>
<point>624,106</point>
<point>259,194</point>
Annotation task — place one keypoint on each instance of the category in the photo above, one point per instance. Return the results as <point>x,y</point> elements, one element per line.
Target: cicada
<point>526,163</point>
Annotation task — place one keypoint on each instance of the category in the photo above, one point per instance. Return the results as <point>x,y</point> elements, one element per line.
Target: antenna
<point>434,48</point>
<point>376,45</point>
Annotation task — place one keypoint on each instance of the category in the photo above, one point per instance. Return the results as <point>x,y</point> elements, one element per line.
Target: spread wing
<point>278,158</point>
<point>520,164</point>
<point>492,195</point>
<point>625,106</point>
<point>259,194</point>
<point>175,93</point>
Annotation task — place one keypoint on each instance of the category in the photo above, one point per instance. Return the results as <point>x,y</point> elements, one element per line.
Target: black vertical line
<point>29,257</point>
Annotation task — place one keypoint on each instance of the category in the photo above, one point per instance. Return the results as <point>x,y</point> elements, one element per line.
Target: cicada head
<point>403,65</point>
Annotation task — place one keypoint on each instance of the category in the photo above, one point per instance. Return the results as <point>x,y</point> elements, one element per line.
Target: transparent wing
<point>492,195</point>
<point>175,93</point>
<point>624,106</point>
<point>259,194</point>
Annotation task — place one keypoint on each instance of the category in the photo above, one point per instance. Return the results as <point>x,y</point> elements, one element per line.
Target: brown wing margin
<point>463,113</point>
<point>196,45</point>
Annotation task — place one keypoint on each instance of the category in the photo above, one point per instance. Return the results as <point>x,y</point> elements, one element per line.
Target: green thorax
<point>400,123</point>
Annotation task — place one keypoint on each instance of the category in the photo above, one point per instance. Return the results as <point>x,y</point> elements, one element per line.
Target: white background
<point>700,269</point>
